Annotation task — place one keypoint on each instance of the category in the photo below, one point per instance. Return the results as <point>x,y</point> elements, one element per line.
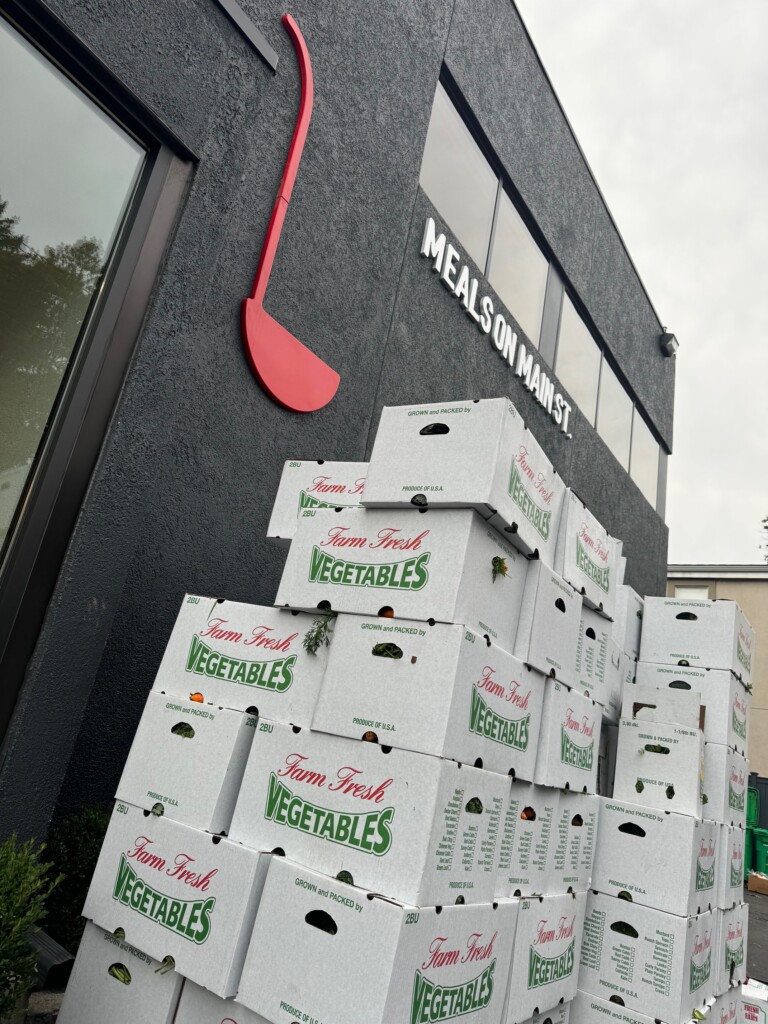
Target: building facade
<point>747,585</point>
<point>445,239</point>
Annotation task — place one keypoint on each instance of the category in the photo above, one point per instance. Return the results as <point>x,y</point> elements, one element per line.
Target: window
<point>457,178</point>
<point>470,192</point>
<point>67,175</point>
<point>78,162</point>
<point>614,415</point>
<point>578,360</point>
<point>644,461</point>
<point>518,269</point>
<point>692,593</point>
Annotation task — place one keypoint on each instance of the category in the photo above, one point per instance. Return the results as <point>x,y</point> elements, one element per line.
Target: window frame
<point>53,494</point>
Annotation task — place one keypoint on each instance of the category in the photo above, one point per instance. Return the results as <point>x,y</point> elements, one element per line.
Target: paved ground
<point>757,939</point>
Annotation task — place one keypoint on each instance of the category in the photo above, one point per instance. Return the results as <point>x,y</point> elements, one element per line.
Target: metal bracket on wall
<point>241,21</point>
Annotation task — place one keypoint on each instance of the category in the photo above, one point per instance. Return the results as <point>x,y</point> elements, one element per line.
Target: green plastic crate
<point>753,806</point>
<point>749,850</point>
<point>761,850</point>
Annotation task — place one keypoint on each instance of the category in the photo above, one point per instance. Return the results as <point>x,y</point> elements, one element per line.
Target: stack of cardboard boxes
<point>377,801</point>
<point>666,928</point>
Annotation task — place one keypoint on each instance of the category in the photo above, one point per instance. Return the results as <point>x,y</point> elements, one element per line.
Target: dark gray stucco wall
<point>182,493</point>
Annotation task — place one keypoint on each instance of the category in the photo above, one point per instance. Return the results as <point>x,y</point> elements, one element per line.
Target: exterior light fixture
<point>668,342</point>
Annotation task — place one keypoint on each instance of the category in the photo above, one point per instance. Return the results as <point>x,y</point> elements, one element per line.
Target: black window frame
<point>53,495</point>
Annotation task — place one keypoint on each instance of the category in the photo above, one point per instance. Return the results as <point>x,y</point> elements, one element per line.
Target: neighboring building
<point>150,139</point>
<point>747,585</point>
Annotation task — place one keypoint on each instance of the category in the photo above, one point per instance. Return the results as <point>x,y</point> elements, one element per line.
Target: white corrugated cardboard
<point>548,629</point>
<point>628,620</point>
<point>730,889</point>
<point>753,1003</point>
<point>592,654</point>
<point>243,656</point>
<point>575,842</point>
<point>472,455</point>
<point>112,981</point>
<point>704,634</point>
<point>411,826</point>
<point>725,1009</point>
<point>367,959</point>
<point>557,1015</point>
<point>190,759</point>
<point>569,740</point>
<point>438,689</point>
<point>723,695</point>
<point>660,766</point>
<point>732,948</point>
<point>545,967</point>
<point>590,1009</point>
<point>587,556</point>
<point>178,892</point>
<point>198,1006</point>
<point>671,707</point>
<point>726,777</point>
<point>627,860</point>
<point>616,667</point>
<point>527,841</point>
<point>307,486</point>
<point>444,565</point>
<point>659,964</point>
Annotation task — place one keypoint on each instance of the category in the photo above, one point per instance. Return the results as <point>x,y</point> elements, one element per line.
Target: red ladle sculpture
<point>295,377</point>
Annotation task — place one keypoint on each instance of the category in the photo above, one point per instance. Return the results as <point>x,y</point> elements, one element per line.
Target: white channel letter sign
<point>457,279</point>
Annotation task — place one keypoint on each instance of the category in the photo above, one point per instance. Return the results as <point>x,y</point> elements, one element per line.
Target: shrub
<point>73,847</point>
<point>25,884</point>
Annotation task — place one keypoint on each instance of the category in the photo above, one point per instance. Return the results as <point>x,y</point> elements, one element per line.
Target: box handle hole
<point>321,920</point>
<point>435,428</point>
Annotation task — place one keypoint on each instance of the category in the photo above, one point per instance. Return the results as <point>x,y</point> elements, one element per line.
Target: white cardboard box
<point>753,1003</point>
<point>575,842</point>
<point>308,486</point>
<point>189,758</point>
<point>732,948</point>
<point>473,455</point>
<point>527,841</point>
<point>663,707</point>
<point>569,740</point>
<point>590,1009</point>
<point>660,766</point>
<point>355,957</point>
<point>413,827</point>
<point>439,689</point>
<point>436,565</point>
<point>617,666</point>
<point>587,556</point>
<point>628,859</point>
<point>199,1006</point>
<point>593,650</point>
<point>177,892</point>
<point>112,981</point>
<point>725,1009</point>
<point>659,964</point>
<point>628,620</point>
<point>726,777</point>
<point>548,628</point>
<point>730,890</point>
<point>545,967</point>
<point>703,634</point>
<point>243,656</point>
<point>722,694</point>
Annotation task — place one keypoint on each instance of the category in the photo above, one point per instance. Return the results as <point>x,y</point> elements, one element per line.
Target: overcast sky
<point>668,99</point>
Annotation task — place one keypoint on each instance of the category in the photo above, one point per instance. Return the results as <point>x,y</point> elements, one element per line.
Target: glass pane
<point>518,269</point>
<point>67,173</point>
<point>614,415</point>
<point>644,464</point>
<point>578,360</point>
<point>692,593</point>
<point>456,177</point>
